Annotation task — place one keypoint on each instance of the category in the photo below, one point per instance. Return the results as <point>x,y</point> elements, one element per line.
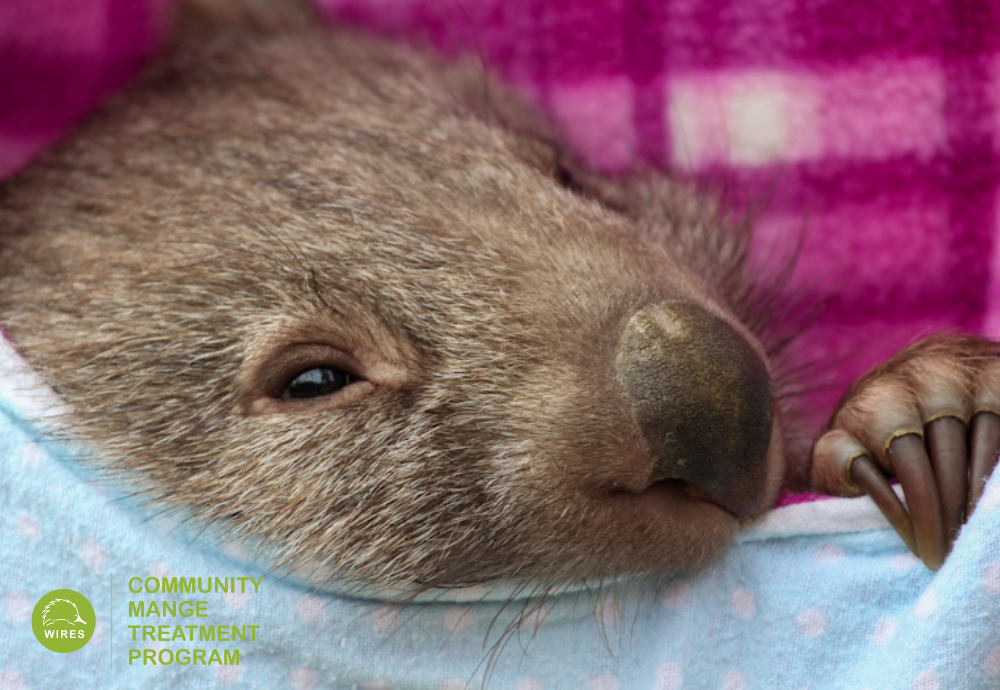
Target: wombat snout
<point>702,399</point>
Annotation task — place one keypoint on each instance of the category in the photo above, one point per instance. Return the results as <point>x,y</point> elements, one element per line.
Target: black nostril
<point>702,399</point>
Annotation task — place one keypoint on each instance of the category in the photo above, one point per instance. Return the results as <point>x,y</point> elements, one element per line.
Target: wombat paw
<point>930,416</point>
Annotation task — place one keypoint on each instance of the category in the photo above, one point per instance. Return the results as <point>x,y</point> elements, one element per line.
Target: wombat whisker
<point>532,603</point>
<point>267,226</point>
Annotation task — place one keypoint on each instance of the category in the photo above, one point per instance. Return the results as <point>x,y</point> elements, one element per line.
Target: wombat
<point>329,293</point>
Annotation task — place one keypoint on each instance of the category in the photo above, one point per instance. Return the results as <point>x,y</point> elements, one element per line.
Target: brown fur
<point>262,192</point>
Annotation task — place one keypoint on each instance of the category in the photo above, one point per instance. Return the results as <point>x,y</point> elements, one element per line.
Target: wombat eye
<point>303,378</point>
<point>315,383</point>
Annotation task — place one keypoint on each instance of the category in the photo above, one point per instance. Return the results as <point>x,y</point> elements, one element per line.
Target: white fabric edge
<point>825,516</point>
<point>31,397</point>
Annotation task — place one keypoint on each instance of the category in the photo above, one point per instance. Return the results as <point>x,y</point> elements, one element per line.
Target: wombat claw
<point>942,463</point>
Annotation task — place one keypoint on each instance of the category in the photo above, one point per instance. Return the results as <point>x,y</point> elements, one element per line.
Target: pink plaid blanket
<point>869,124</point>
<point>59,57</point>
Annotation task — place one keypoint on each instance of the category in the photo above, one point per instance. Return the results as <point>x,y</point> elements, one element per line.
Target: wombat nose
<point>702,399</point>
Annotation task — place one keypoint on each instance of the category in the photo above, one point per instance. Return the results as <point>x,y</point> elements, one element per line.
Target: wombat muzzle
<point>702,399</point>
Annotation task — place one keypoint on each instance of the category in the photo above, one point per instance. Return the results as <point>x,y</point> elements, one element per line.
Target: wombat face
<point>295,284</point>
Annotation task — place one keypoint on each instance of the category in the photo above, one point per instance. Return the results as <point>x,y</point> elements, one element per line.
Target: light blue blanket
<point>814,596</point>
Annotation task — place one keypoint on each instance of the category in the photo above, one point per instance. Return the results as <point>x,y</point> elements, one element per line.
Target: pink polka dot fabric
<point>820,595</point>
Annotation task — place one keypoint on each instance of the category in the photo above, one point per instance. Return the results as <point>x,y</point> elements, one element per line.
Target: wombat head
<point>293,282</point>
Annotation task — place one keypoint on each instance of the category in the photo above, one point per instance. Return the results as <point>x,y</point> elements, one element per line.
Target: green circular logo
<point>63,620</point>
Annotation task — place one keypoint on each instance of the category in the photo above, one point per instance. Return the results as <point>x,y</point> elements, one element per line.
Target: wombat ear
<point>485,95</point>
<point>540,142</point>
